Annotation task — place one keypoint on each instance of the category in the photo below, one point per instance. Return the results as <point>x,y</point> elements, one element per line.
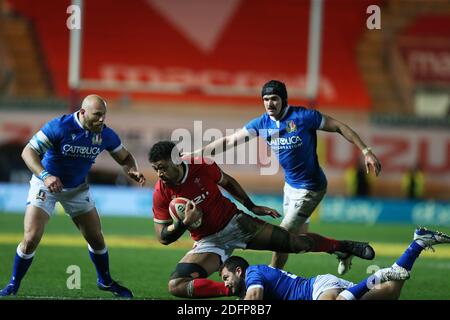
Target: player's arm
<point>333,125</point>
<point>221,145</point>
<point>32,159</point>
<point>168,233</point>
<point>254,293</point>
<point>129,165</point>
<point>235,189</point>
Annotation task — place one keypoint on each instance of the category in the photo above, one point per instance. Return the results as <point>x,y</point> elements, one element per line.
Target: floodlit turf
<point>143,265</point>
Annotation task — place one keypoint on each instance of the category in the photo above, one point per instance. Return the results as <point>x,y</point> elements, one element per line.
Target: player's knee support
<point>188,270</point>
<point>283,241</point>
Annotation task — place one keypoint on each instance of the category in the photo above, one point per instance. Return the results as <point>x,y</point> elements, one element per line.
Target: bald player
<point>68,146</point>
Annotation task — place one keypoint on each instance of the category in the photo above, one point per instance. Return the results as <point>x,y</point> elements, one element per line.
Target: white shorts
<point>75,201</point>
<point>298,204</point>
<point>226,240</point>
<point>326,282</point>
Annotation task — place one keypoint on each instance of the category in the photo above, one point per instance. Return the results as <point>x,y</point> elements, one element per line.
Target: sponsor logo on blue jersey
<point>284,143</point>
<point>80,151</point>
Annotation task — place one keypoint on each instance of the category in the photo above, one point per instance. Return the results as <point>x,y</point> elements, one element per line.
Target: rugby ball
<point>176,209</point>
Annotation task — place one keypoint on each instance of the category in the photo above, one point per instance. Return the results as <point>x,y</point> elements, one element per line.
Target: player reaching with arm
<point>291,133</point>
<point>69,146</point>
<point>224,227</point>
<point>262,282</point>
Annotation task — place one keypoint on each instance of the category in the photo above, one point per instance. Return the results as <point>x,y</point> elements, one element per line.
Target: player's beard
<point>97,128</point>
<point>240,290</point>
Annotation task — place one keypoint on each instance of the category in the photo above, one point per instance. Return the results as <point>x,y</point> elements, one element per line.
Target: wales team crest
<point>291,126</point>
<point>97,138</point>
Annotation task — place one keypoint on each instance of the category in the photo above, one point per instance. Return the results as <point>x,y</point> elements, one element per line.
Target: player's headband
<point>275,87</point>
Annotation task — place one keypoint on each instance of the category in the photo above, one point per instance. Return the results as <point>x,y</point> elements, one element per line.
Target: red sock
<point>323,244</point>
<point>205,288</point>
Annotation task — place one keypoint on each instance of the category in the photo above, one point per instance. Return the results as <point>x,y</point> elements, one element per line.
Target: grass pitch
<point>138,261</point>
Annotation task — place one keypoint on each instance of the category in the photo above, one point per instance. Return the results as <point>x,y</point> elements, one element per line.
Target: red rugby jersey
<point>199,184</point>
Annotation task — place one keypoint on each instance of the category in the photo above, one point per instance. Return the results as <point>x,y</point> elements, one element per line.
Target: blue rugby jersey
<point>279,284</point>
<point>294,140</point>
<point>69,150</point>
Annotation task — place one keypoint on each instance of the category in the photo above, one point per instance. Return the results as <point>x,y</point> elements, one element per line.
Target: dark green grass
<point>146,270</point>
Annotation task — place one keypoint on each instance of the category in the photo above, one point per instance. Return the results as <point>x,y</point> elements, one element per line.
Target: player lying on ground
<point>224,227</point>
<point>259,282</point>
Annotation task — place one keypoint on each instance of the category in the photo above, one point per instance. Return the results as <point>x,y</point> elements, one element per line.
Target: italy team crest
<point>41,195</point>
<point>291,126</point>
<point>97,138</point>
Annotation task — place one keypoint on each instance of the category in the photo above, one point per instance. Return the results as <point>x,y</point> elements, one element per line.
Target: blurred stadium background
<point>163,64</point>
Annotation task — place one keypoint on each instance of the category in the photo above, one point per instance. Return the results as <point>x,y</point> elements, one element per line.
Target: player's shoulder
<point>60,123</point>
<point>302,109</point>
<point>268,270</point>
<point>253,267</point>
<point>260,268</point>
<point>264,118</point>
<point>108,131</point>
<point>302,113</point>
<point>258,123</point>
<point>256,271</point>
<point>162,193</point>
<point>62,119</point>
<point>260,119</point>
<point>160,189</point>
<point>159,186</point>
<point>298,109</point>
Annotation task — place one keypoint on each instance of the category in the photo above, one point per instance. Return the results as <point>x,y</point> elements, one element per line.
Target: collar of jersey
<point>282,116</point>
<point>75,116</point>
<point>185,173</point>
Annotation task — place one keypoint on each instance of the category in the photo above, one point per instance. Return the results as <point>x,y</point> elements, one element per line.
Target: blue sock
<point>22,262</point>
<point>410,255</point>
<point>406,261</point>
<point>361,288</point>
<point>100,259</point>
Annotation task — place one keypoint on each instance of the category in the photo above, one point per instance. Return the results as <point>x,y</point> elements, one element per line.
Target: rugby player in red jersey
<point>224,227</point>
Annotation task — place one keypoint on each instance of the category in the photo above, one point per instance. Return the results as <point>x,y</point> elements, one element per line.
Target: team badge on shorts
<point>41,195</point>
